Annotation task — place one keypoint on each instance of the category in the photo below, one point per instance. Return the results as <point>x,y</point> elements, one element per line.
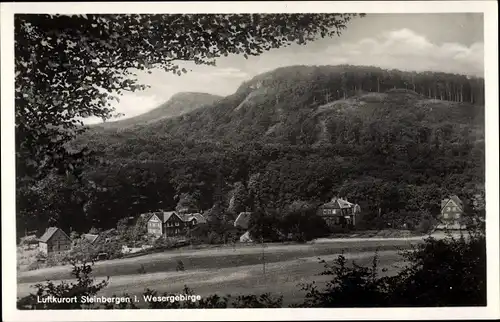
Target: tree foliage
<point>447,272</point>
<point>85,286</point>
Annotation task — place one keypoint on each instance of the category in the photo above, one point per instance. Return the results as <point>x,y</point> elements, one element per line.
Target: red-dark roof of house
<point>188,217</point>
<point>455,199</point>
<point>339,203</point>
<point>49,233</point>
<point>90,237</point>
<point>166,215</point>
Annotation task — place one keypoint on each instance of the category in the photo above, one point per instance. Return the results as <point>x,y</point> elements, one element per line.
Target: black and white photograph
<point>209,155</point>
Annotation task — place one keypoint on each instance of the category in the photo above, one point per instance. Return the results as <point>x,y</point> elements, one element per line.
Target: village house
<point>243,220</point>
<point>93,238</point>
<point>171,223</point>
<point>452,211</point>
<point>339,213</point>
<point>54,240</point>
<point>242,223</point>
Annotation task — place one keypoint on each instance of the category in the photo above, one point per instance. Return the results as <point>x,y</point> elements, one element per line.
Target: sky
<point>445,42</point>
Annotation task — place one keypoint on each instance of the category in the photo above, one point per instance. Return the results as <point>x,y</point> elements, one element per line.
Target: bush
<point>265,227</point>
<point>83,251</point>
<point>113,248</point>
<point>180,266</point>
<point>162,243</point>
<point>56,259</point>
<point>304,225</point>
<point>40,256</point>
<point>84,286</point>
<point>425,226</point>
<point>449,272</point>
<point>33,266</point>
<point>214,238</point>
<point>141,269</point>
<point>354,286</point>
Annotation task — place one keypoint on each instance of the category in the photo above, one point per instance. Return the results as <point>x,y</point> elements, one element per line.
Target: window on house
<point>448,208</point>
<point>445,216</point>
<point>454,208</point>
<point>457,215</point>
<point>177,223</point>
<point>334,211</point>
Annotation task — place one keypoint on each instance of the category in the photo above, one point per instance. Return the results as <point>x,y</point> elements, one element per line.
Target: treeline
<point>391,188</point>
<point>339,82</point>
<point>301,106</point>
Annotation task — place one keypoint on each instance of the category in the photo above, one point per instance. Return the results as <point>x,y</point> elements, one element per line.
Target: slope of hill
<point>393,142</point>
<point>178,104</point>
<point>311,105</point>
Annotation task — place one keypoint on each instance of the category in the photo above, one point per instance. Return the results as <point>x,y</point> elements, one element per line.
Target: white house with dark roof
<point>452,211</point>
<point>171,223</point>
<point>54,240</point>
<point>339,213</point>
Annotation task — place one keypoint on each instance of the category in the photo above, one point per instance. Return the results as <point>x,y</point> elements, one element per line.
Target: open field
<point>220,257</point>
<point>232,270</point>
<point>281,277</point>
<point>224,270</point>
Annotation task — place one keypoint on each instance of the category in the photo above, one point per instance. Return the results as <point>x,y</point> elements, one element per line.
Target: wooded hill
<point>394,142</point>
<point>178,104</point>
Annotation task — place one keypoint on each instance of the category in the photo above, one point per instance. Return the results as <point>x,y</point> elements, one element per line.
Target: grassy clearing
<point>281,277</point>
<point>215,258</point>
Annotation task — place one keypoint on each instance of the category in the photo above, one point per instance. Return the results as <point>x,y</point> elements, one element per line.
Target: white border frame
<point>488,8</point>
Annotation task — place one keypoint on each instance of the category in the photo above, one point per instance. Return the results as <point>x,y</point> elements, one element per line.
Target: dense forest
<point>394,142</point>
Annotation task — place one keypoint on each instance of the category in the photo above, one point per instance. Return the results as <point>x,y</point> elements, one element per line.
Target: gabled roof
<point>339,203</point>
<point>90,237</point>
<point>168,214</point>
<point>188,217</point>
<point>49,233</point>
<point>243,220</point>
<point>455,199</point>
<point>344,203</point>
